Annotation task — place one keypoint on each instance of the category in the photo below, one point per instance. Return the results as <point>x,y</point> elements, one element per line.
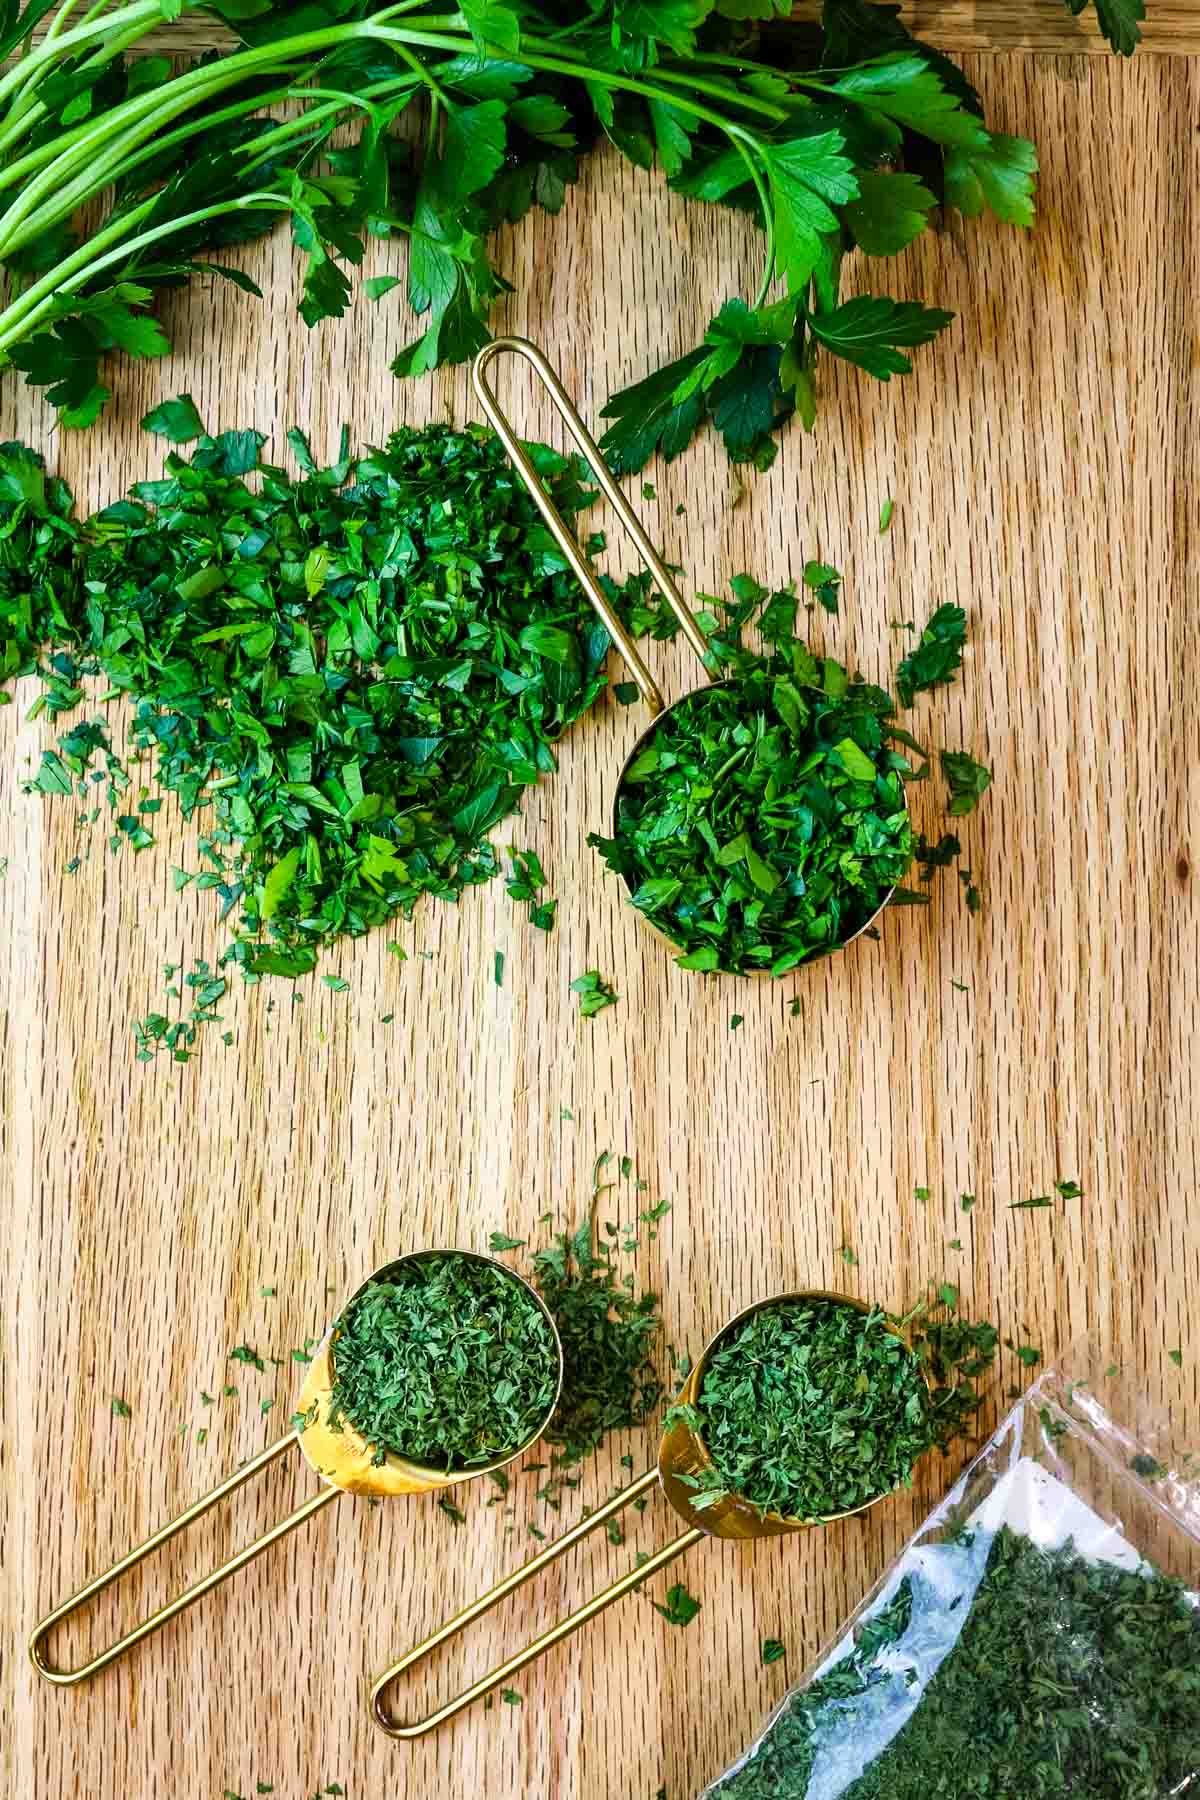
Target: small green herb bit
<point>681,1607</point>
<point>772,1650</point>
<point>936,657</point>
<point>967,780</point>
<point>449,1361</point>
<point>810,1408</point>
<point>120,1409</point>
<point>764,821</point>
<point>526,881</point>
<point>594,993</point>
<point>824,581</point>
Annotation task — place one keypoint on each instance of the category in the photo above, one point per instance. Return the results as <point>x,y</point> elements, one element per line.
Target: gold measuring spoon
<point>681,1453</point>
<point>341,1458</point>
<point>586,576</point>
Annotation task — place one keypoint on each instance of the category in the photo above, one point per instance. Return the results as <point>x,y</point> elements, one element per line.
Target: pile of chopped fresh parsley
<point>1066,1677</point>
<point>764,821</point>
<point>351,674</point>
<point>449,1361</point>
<point>810,1408</point>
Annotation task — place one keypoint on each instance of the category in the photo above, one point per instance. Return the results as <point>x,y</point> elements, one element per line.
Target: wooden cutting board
<point>1042,463</point>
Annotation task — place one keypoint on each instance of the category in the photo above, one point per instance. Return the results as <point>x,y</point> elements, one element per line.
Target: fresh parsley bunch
<point>840,138</point>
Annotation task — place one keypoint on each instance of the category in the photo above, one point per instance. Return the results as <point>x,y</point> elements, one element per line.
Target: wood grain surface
<point>1042,461</point>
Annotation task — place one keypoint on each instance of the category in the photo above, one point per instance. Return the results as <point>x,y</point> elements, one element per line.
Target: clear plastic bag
<point>1039,1636</point>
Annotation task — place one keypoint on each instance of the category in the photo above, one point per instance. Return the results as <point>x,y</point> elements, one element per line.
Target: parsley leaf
<point>1118,20</point>
<point>967,780</point>
<point>870,331</point>
<point>680,1608</point>
<point>176,420</point>
<point>936,656</point>
<point>594,993</point>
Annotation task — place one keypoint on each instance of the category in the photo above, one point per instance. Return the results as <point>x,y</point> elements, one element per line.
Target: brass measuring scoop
<point>586,576</point>
<point>682,1452</point>
<point>342,1458</point>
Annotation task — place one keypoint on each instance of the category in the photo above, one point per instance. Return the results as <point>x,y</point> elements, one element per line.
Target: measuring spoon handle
<point>103,1658</point>
<point>562,534</point>
<point>554,1634</point>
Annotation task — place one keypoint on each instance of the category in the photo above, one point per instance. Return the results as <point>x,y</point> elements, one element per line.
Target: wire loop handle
<point>555,1634</point>
<point>563,536</point>
<point>104,1658</point>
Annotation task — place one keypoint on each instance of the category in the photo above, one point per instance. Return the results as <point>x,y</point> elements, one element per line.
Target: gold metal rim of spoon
<point>347,1465</point>
<point>681,1452</point>
<point>572,550</point>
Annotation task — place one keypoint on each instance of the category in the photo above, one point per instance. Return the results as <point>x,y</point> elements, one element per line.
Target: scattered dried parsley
<point>607,1330</point>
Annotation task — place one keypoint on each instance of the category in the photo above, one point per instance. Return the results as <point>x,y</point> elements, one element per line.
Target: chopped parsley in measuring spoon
<point>809,1408</point>
<point>764,821</point>
<point>448,1361</point>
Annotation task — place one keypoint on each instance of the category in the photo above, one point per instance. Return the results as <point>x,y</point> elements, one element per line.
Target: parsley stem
<point>605,78</point>
<point>253,151</point>
<point>425,76</point>
<point>39,299</point>
<point>24,111</point>
<point>145,12</point>
<point>720,90</point>
<point>743,143</point>
<point>144,115</point>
